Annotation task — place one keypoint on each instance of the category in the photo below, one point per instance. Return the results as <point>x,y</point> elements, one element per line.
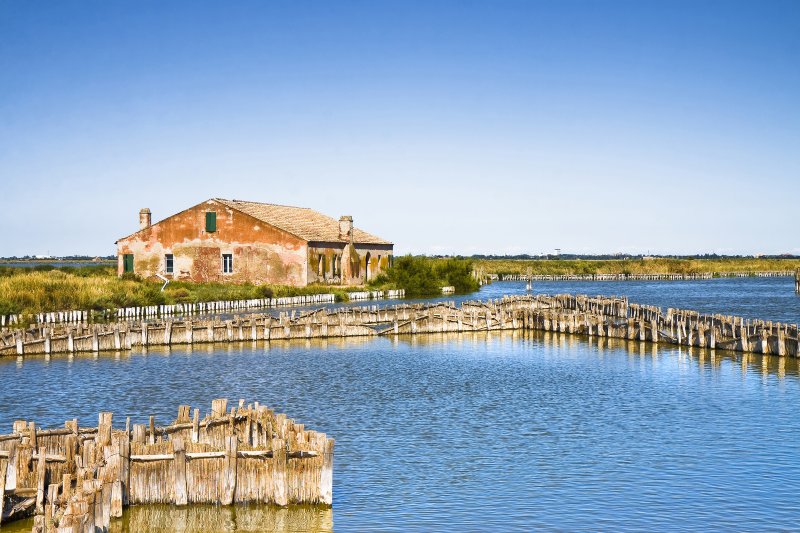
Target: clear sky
<point>446,127</point>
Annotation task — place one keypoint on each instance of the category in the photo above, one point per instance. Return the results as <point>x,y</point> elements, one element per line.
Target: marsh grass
<point>36,290</point>
<point>634,266</point>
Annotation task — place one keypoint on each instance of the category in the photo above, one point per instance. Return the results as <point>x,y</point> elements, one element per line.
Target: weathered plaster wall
<point>353,261</point>
<point>261,253</point>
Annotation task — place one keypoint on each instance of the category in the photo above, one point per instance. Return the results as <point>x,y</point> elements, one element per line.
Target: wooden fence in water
<point>76,479</point>
<point>577,314</point>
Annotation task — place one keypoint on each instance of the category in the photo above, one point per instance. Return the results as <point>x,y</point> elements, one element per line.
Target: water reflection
<point>565,342</point>
<point>206,518</point>
<point>212,518</point>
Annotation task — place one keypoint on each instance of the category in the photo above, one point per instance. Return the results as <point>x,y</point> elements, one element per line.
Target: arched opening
<point>366,268</point>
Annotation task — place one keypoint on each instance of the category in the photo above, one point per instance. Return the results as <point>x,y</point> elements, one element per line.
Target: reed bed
<point>632,266</point>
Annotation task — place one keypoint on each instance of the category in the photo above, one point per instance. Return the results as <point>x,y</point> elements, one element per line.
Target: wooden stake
<point>179,464</point>
<point>229,473</point>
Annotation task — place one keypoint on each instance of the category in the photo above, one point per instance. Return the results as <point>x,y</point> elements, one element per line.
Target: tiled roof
<point>303,222</point>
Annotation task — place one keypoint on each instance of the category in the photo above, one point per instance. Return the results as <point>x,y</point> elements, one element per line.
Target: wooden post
<point>89,493</point>
<point>41,472</point>
<point>34,441</point>
<point>179,463</point>
<point>183,414</point>
<point>139,433</point>
<point>279,477</point>
<point>116,499</point>
<point>144,333</point>
<point>124,470</point>
<point>52,506</point>
<point>152,430</point>
<point>3,469</point>
<point>229,474</point>
<point>219,407</point>
<point>95,340</point>
<point>117,339</point>
<point>66,486</point>
<point>104,429</point>
<point>196,426</point>
<point>10,473</point>
<point>326,476</point>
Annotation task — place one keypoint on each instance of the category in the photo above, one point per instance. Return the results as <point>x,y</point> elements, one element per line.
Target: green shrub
<point>424,276</point>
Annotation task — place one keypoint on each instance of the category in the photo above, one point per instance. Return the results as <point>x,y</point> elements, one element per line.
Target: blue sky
<point>447,127</point>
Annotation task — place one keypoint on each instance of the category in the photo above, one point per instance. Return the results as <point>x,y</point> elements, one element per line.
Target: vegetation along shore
<point>658,265</point>
<point>46,288</point>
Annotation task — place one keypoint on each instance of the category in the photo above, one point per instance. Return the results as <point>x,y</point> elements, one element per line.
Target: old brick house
<point>237,241</point>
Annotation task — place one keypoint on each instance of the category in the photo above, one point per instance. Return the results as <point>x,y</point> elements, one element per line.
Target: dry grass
<point>28,291</point>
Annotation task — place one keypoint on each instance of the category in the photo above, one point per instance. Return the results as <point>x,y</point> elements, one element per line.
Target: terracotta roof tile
<point>303,222</point>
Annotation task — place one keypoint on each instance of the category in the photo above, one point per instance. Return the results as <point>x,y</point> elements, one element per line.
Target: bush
<point>423,276</point>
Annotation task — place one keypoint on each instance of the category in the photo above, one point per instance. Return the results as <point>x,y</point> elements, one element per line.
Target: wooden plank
<point>179,464</point>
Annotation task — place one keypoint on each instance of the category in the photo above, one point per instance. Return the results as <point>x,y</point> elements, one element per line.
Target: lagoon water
<point>484,432</point>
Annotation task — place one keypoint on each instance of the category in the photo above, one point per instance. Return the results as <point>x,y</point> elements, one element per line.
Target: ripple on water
<point>505,431</point>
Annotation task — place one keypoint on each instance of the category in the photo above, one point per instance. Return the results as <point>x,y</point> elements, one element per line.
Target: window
<point>211,221</point>
<point>169,263</point>
<point>227,263</point>
<point>127,263</point>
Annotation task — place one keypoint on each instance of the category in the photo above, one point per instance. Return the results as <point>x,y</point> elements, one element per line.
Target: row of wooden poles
<point>376,295</point>
<point>578,314</point>
<point>199,308</point>
<point>123,313</point>
<point>77,479</point>
<point>641,277</point>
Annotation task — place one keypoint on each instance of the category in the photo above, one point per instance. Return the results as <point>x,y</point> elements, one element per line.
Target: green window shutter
<point>211,221</point>
<point>127,263</point>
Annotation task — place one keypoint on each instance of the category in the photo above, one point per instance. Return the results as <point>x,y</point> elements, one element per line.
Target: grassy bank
<point>633,266</point>
<point>425,276</point>
<point>42,289</point>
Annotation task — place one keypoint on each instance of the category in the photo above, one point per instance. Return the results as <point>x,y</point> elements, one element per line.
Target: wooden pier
<point>577,314</point>
<point>77,479</point>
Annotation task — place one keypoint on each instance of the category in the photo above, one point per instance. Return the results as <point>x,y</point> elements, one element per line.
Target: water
<point>57,263</point>
<point>501,431</point>
<point>756,298</point>
<point>762,298</point>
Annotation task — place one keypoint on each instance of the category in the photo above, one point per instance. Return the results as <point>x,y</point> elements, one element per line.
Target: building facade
<point>237,241</point>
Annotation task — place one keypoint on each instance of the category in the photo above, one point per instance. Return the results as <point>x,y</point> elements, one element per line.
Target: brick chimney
<point>144,218</point>
<point>346,228</point>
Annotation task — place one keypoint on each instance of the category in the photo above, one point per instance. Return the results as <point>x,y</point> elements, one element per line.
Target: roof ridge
<point>234,200</point>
